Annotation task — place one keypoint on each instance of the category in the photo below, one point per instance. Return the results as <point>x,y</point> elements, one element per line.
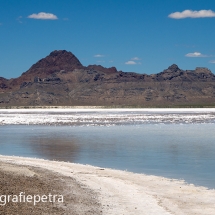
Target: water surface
<point>175,150</point>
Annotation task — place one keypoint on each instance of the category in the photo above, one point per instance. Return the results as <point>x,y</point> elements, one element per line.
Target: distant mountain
<point>55,62</point>
<point>60,79</point>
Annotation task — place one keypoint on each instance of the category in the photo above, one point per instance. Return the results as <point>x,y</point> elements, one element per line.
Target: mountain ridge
<point>61,79</point>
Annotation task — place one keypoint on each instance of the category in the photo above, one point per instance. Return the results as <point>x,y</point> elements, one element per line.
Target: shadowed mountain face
<point>60,79</point>
<point>56,61</point>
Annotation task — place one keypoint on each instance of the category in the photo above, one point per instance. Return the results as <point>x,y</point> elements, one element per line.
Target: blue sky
<point>144,36</point>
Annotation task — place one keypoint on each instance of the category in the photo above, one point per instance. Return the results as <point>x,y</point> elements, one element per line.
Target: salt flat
<point>94,108</point>
<point>122,192</point>
<point>94,116</point>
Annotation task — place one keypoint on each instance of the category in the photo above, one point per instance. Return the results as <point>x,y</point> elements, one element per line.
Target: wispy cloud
<point>185,45</point>
<point>99,55</point>
<point>192,14</point>
<point>135,58</point>
<point>130,62</point>
<point>43,15</point>
<point>195,54</point>
<point>212,61</point>
<point>19,19</point>
<point>133,61</point>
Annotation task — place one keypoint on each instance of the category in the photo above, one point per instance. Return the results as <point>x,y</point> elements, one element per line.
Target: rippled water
<point>175,145</point>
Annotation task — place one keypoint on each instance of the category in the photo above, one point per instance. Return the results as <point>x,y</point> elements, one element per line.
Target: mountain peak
<point>61,58</point>
<point>56,53</point>
<point>173,68</point>
<point>57,60</point>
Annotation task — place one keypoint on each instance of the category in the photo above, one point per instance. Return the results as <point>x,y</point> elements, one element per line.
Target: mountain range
<point>61,80</point>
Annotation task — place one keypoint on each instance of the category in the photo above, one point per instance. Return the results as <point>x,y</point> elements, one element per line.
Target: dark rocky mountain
<point>60,79</point>
<point>56,61</point>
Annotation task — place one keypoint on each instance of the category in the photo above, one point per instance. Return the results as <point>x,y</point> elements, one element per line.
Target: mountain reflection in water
<point>55,148</point>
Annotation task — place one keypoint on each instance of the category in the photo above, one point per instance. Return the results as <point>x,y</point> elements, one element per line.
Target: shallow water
<point>175,149</point>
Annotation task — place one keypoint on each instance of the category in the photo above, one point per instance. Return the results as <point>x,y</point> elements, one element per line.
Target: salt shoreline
<point>123,192</point>
<point>100,109</point>
<point>105,116</point>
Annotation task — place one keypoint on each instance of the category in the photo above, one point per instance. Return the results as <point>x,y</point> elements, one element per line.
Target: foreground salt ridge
<point>123,192</point>
<point>104,116</point>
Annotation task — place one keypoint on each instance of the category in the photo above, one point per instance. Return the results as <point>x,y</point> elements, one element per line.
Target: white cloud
<point>192,14</point>
<point>98,55</point>
<point>195,54</point>
<point>43,15</point>
<point>130,62</point>
<point>133,61</point>
<point>135,58</point>
<point>212,61</point>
